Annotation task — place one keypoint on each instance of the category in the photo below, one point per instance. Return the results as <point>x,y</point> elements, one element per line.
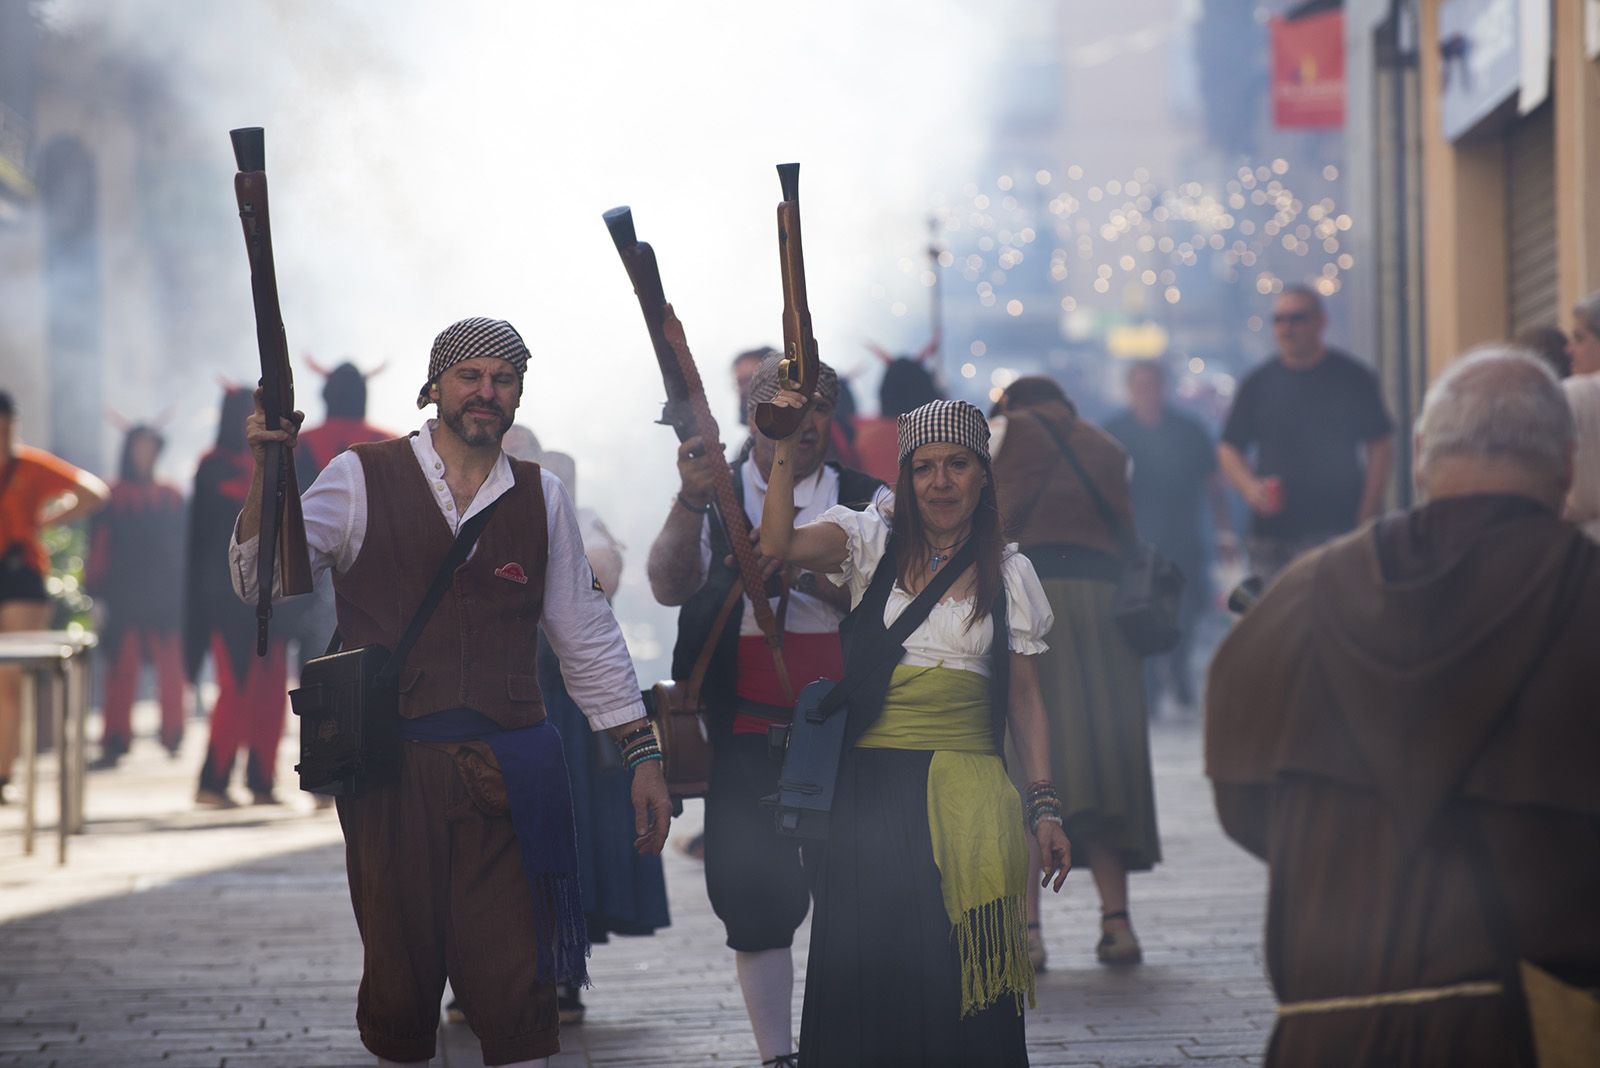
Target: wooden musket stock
<point>282,547</point>
<point>798,371</point>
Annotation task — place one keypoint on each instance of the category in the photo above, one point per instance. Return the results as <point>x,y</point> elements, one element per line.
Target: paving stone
<point>225,940</point>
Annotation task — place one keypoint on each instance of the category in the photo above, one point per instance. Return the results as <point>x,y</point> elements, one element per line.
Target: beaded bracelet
<point>642,745</point>
<point>639,752</point>
<point>1044,804</point>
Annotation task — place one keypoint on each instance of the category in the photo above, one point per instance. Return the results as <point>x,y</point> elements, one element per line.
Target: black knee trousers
<point>753,874</point>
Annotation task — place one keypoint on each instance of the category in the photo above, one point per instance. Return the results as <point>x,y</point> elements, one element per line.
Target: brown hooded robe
<point>1341,711</point>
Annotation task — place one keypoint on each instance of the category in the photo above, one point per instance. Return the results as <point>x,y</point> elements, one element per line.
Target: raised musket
<point>282,548</point>
<point>689,414</point>
<point>798,369</point>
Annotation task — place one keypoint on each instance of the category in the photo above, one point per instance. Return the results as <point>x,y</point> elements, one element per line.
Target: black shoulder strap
<point>466,538</point>
<point>892,643</point>
<point>1119,533</point>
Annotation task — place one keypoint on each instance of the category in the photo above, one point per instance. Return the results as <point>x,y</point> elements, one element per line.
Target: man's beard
<point>477,434</point>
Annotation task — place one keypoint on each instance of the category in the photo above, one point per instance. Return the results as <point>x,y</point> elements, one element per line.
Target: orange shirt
<point>38,478</point>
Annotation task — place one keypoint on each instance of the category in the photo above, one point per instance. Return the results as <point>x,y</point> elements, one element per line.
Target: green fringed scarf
<point>975,820</point>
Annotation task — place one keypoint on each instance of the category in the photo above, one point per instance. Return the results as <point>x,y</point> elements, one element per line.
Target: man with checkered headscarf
<point>464,864</point>
<point>753,876</point>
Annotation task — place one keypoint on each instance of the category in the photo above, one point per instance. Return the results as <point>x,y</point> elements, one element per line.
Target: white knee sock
<point>766,978</point>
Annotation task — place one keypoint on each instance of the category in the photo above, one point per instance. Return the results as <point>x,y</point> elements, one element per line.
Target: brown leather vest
<point>480,648</point>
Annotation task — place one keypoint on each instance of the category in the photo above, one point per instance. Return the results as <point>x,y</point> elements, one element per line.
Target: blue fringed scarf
<point>540,795</point>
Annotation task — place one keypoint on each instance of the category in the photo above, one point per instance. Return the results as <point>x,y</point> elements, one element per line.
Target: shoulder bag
<point>1150,591</point>
<point>813,744</point>
<point>679,714</point>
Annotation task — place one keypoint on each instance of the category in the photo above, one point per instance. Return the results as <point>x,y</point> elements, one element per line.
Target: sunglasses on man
<point>1292,318</point>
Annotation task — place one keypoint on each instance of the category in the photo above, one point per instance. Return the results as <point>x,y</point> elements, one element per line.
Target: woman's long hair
<point>908,540</point>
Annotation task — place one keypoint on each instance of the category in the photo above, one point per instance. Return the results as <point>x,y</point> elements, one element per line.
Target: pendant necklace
<point>943,555</point>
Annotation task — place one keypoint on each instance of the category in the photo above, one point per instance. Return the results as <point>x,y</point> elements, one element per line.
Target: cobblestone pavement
<point>188,939</point>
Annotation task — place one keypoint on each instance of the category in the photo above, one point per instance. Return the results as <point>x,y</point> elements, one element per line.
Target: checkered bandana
<point>764,383</point>
<point>952,421</point>
<point>471,338</point>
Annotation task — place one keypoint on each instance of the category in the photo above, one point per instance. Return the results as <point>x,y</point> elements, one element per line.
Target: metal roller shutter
<point>1531,192</point>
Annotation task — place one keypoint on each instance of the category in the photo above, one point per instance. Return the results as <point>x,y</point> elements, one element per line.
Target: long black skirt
<point>883,982</point>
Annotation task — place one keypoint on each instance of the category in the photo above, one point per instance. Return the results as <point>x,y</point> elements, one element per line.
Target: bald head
<point>1495,422</point>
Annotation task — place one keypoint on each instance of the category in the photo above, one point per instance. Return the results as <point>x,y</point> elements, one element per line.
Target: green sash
<point>975,821</point>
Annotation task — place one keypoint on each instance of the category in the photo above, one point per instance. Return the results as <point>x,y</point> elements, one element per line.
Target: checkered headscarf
<point>764,383</point>
<point>952,421</point>
<point>471,338</point>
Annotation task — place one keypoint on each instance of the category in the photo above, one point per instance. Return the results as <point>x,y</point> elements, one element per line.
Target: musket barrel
<point>620,222</point>
<point>789,178</point>
<point>250,147</point>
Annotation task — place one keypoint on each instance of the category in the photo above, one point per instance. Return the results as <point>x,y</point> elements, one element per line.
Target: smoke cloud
<point>430,163</point>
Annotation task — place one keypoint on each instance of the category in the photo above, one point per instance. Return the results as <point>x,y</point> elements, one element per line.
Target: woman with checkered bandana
<point>919,939</point>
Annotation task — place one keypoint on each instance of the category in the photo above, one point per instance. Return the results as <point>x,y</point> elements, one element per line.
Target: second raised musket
<point>798,371</point>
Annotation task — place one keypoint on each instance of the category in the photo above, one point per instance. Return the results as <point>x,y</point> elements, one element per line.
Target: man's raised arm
<point>676,567</point>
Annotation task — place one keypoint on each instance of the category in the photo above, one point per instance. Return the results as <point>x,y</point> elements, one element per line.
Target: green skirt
<point>1093,688</point>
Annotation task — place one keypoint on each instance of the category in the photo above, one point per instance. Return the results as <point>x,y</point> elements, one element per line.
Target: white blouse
<point>943,639</point>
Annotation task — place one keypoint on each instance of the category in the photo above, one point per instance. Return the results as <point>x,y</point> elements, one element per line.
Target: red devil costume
<point>907,385</point>
<point>310,621</point>
<point>135,569</point>
<point>251,701</point>
<point>344,391</point>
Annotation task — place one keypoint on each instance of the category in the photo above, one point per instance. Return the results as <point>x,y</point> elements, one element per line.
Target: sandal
<point>1036,952</point>
<point>783,1060</point>
<point>1117,945</point>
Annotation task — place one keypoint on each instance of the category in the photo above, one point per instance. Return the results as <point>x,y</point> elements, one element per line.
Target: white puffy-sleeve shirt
<point>943,639</point>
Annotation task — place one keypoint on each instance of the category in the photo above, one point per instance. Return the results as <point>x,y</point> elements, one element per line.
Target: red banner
<point>1308,71</point>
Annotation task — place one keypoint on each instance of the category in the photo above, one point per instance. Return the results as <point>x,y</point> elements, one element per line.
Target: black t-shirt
<point>1307,428</point>
<point>1172,462</point>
